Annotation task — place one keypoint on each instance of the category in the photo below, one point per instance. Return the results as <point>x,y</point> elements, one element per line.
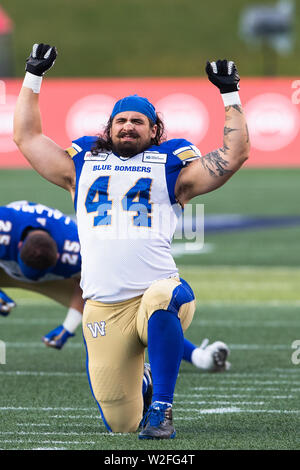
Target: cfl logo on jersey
<point>89,156</point>
<point>97,328</point>
<point>154,157</point>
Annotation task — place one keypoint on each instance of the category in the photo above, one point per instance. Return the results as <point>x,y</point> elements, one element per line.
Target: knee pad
<point>173,295</point>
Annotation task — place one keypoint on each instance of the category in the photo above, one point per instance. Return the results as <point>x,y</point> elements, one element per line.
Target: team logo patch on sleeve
<point>187,153</point>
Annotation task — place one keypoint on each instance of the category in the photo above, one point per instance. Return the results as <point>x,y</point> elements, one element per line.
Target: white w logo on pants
<point>97,327</point>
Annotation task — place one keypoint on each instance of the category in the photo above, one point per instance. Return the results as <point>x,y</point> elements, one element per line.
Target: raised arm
<point>44,155</point>
<point>212,170</point>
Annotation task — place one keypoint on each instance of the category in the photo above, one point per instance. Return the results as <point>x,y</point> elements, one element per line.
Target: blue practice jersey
<point>17,217</point>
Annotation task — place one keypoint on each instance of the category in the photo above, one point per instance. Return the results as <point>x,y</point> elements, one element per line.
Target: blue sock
<point>188,349</point>
<point>165,350</point>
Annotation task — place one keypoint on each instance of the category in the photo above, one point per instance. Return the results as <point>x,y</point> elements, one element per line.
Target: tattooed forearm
<point>237,107</point>
<point>215,164</point>
<point>227,130</point>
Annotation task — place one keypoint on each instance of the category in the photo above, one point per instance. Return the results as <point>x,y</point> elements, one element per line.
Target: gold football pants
<point>116,336</point>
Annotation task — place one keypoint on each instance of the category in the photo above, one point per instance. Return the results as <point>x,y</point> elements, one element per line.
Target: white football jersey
<point>126,215</point>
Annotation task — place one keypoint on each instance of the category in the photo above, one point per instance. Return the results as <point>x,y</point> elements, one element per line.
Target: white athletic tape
<point>32,81</point>
<point>232,98</point>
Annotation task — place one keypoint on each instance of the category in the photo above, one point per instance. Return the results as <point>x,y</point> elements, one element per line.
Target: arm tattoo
<point>215,164</point>
<point>237,107</point>
<point>227,130</point>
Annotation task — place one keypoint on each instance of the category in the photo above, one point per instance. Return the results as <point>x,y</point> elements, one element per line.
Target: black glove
<point>224,75</point>
<point>41,59</point>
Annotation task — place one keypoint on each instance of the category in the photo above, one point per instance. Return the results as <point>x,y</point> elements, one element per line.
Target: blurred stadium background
<point>246,277</point>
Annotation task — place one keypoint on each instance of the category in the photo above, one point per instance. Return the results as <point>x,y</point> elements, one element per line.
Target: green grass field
<point>247,290</point>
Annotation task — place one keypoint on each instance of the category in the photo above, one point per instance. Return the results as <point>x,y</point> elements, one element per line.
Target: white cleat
<point>211,357</point>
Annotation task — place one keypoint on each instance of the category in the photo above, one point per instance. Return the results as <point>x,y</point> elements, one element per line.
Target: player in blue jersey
<point>134,295</point>
<point>40,251</point>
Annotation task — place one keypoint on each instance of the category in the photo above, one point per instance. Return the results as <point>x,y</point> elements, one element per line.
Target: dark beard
<point>129,149</point>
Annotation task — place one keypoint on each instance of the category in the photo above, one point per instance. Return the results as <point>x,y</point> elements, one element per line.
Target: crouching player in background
<point>40,251</point>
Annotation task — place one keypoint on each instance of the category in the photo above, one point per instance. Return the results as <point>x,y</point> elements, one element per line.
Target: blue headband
<point>135,103</point>
<point>31,273</point>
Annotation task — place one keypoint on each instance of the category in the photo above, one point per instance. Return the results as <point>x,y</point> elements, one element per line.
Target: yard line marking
<point>249,303</point>
<point>83,374</point>
<point>29,441</point>
<point>53,425</point>
<point>262,382</point>
<point>245,388</point>
<point>247,323</point>
<point>49,408</point>
<point>59,433</point>
<point>213,303</point>
<point>43,374</point>
<point>271,347</point>
<point>232,410</point>
<point>95,417</point>
<point>260,346</point>
<point>216,395</point>
<point>231,402</point>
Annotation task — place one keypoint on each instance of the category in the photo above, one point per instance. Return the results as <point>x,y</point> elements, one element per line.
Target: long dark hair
<point>104,141</point>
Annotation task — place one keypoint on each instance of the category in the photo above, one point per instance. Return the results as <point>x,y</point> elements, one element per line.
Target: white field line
<point>248,389</point>
<point>43,374</point>
<point>231,410</point>
<point>272,347</point>
<point>60,433</point>
<point>39,344</point>
<point>83,374</point>
<point>72,409</point>
<point>78,417</point>
<point>247,323</point>
<point>274,303</point>
<point>29,441</point>
<point>66,425</point>
<point>286,375</point>
<point>215,302</point>
<point>42,408</point>
<point>233,396</point>
<point>243,382</point>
